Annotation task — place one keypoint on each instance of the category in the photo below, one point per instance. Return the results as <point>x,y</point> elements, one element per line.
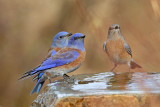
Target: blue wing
<point>58,59</point>
<point>53,52</point>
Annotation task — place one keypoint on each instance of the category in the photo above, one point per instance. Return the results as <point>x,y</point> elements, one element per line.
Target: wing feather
<point>128,49</point>
<point>58,59</point>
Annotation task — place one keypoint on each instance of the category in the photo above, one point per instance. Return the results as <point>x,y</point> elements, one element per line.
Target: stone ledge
<point>108,101</point>
<point>103,89</point>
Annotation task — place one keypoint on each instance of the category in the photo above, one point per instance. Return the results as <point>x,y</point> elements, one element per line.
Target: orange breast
<point>116,51</point>
<point>50,50</point>
<point>76,62</point>
<point>56,49</point>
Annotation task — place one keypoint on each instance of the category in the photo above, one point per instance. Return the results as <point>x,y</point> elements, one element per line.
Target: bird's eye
<point>60,37</point>
<point>75,38</point>
<point>116,27</point>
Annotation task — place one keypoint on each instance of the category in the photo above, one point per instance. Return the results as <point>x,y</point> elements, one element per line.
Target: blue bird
<point>64,61</point>
<point>60,41</point>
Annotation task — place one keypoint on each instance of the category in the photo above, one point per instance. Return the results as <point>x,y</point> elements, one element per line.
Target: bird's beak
<point>111,28</point>
<point>83,36</point>
<point>70,34</point>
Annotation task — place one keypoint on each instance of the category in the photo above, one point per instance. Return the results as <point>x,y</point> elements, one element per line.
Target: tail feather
<point>27,74</point>
<point>39,84</point>
<point>35,78</point>
<point>37,87</point>
<point>38,69</point>
<point>24,77</point>
<point>134,65</point>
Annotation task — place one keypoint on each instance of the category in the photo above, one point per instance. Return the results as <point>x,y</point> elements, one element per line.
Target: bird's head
<point>77,41</point>
<point>61,39</point>
<point>114,31</point>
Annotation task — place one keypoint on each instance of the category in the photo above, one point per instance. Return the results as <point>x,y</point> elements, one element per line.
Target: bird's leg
<point>68,78</point>
<point>129,64</point>
<point>49,80</point>
<point>115,65</point>
<point>129,69</point>
<point>48,76</point>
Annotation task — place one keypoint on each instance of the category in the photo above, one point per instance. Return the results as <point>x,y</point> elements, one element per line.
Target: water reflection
<point>120,80</point>
<point>126,82</point>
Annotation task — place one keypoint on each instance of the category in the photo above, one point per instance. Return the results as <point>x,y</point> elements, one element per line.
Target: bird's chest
<point>115,50</point>
<point>66,68</point>
<point>114,47</point>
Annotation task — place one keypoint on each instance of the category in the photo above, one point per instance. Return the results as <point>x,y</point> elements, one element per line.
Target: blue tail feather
<point>38,85</point>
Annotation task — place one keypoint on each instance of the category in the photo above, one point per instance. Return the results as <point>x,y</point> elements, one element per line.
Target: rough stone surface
<point>103,90</point>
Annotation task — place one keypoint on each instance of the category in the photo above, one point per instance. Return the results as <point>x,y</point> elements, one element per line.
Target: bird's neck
<point>53,45</point>
<point>77,46</point>
<point>115,36</point>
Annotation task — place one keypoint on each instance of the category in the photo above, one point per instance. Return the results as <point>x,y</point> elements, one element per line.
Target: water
<point>108,83</point>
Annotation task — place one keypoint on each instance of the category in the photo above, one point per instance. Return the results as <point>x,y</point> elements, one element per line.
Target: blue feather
<point>60,59</point>
<point>65,58</point>
<point>39,84</point>
<point>53,52</point>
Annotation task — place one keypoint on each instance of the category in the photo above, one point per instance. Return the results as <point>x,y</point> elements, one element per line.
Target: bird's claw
<point>69,79</point>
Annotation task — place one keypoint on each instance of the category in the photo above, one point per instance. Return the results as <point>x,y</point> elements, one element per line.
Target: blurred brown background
<point>27,28</point>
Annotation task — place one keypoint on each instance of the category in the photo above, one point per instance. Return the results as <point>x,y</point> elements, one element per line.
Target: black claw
<point>68,78</point>
<point>65,76</point>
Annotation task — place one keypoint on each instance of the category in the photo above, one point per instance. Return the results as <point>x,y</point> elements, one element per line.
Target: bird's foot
<point>115,65</point>
<point>69,79</point>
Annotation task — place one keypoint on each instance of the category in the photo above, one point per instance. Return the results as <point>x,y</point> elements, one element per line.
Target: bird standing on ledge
<point>60,41</point>
<point>64,61</point>
<point>117,48</point>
